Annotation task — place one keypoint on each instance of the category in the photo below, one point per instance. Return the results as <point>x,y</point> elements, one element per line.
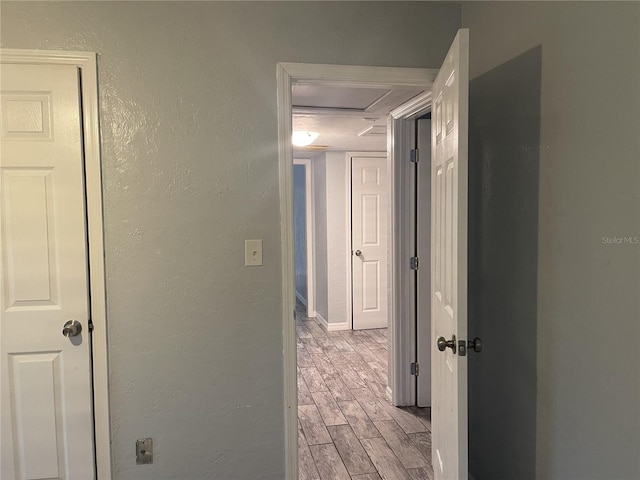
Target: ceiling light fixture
<point>303,138</point>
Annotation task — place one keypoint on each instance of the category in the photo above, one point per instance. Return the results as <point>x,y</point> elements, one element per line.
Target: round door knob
<point>358,253</point>
<point>475,344</point>
<point>443,344</point>
<point>72,328</point>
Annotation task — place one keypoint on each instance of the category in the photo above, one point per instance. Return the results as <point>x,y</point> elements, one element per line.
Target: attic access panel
<point>328,96</point>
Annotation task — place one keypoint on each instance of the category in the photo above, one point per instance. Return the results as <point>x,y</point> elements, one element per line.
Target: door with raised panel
<point>46,402</point>
<point>369,241</point>
<point>449,187</point>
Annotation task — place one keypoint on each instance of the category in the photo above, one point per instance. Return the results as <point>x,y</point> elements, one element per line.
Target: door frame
<point>310,228</point>
<point>402,134</point>
<point>287,74</point>
<point>87,65</point>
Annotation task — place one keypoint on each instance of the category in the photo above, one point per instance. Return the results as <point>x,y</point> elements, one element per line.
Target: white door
<point>46,403</point>
<point>369,241</point>
<point>449,261</point>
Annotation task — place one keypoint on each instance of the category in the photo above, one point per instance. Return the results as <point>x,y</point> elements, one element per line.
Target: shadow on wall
<point>504,155</point>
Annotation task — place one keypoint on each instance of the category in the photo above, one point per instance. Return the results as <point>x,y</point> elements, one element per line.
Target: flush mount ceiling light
<point>302,138</point>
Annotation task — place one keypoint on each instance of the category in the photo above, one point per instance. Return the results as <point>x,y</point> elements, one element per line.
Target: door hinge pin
<point>414,156</point>
<point>415,369</point>
<point>413,263</point>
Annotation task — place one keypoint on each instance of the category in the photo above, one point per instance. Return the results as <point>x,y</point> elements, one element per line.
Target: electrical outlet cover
<point>144,451</point>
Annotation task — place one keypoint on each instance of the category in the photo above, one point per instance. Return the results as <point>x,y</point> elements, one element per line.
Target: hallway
<point>347,429</point>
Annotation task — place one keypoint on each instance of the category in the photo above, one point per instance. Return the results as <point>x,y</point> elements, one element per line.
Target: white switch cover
<point>252,253</point>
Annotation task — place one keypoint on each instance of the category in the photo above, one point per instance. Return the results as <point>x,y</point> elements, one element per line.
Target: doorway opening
<point>355,416</point>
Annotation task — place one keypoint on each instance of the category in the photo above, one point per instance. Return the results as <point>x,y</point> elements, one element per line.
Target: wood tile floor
<point>346,427</point>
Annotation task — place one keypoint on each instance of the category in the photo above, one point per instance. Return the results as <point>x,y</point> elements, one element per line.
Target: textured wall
<point>300,228</point>
<point>190,169</point>
<point>587,304</point>
<point>319,165</point>
<point>338,237</point>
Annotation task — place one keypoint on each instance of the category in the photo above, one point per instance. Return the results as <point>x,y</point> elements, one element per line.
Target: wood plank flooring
<point>347,429</point>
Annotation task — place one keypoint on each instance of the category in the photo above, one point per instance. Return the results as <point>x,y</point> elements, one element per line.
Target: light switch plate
<point>144,451</point>
<point>252,253</point>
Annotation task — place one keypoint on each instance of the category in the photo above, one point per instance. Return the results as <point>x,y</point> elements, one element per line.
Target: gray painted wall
<point>331,235</point>
<point>190,170</point>
<point>504,142</point>
<point>556,147</point>
<point>300,229</point>
<point>320,232</point>
<point>338,237</point>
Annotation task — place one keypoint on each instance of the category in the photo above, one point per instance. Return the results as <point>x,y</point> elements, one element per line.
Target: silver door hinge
<point>415,369</point>
<point>414,155</point>
<point>413,263</point>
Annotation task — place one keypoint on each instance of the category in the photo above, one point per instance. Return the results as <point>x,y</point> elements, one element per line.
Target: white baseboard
<point>302,299</point>
<point>338,326</point>
<point>331,327</point>
<point>322,320</point>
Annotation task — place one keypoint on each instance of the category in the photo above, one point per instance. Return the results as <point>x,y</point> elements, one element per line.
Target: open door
<point>449,186</point>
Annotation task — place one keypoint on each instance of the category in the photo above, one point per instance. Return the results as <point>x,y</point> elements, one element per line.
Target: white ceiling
<point>347,118</point>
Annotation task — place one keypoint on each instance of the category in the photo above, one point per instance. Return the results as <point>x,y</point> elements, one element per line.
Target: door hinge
<point>413,263</point>
<point>414,155</point>
<point>90,324</point>
<point>415,369</point>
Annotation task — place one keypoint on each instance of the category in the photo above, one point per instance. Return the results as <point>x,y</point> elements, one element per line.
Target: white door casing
<point>449,260</point>
<point>369,241</point>
<point>47,406</point>
<point>402,235</point>
<point>287,74</point>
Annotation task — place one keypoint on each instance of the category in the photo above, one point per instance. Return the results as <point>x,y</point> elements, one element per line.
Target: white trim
<point>349,241</point>
<point>332,327</point>
<point>311,242</point>
<point>402,329</point>
<point>322,320</point>
<point>86,63</point>
<point>288,279</point>
<point>288,73</point>
<point>416,107</point>
<point>358,75</point>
